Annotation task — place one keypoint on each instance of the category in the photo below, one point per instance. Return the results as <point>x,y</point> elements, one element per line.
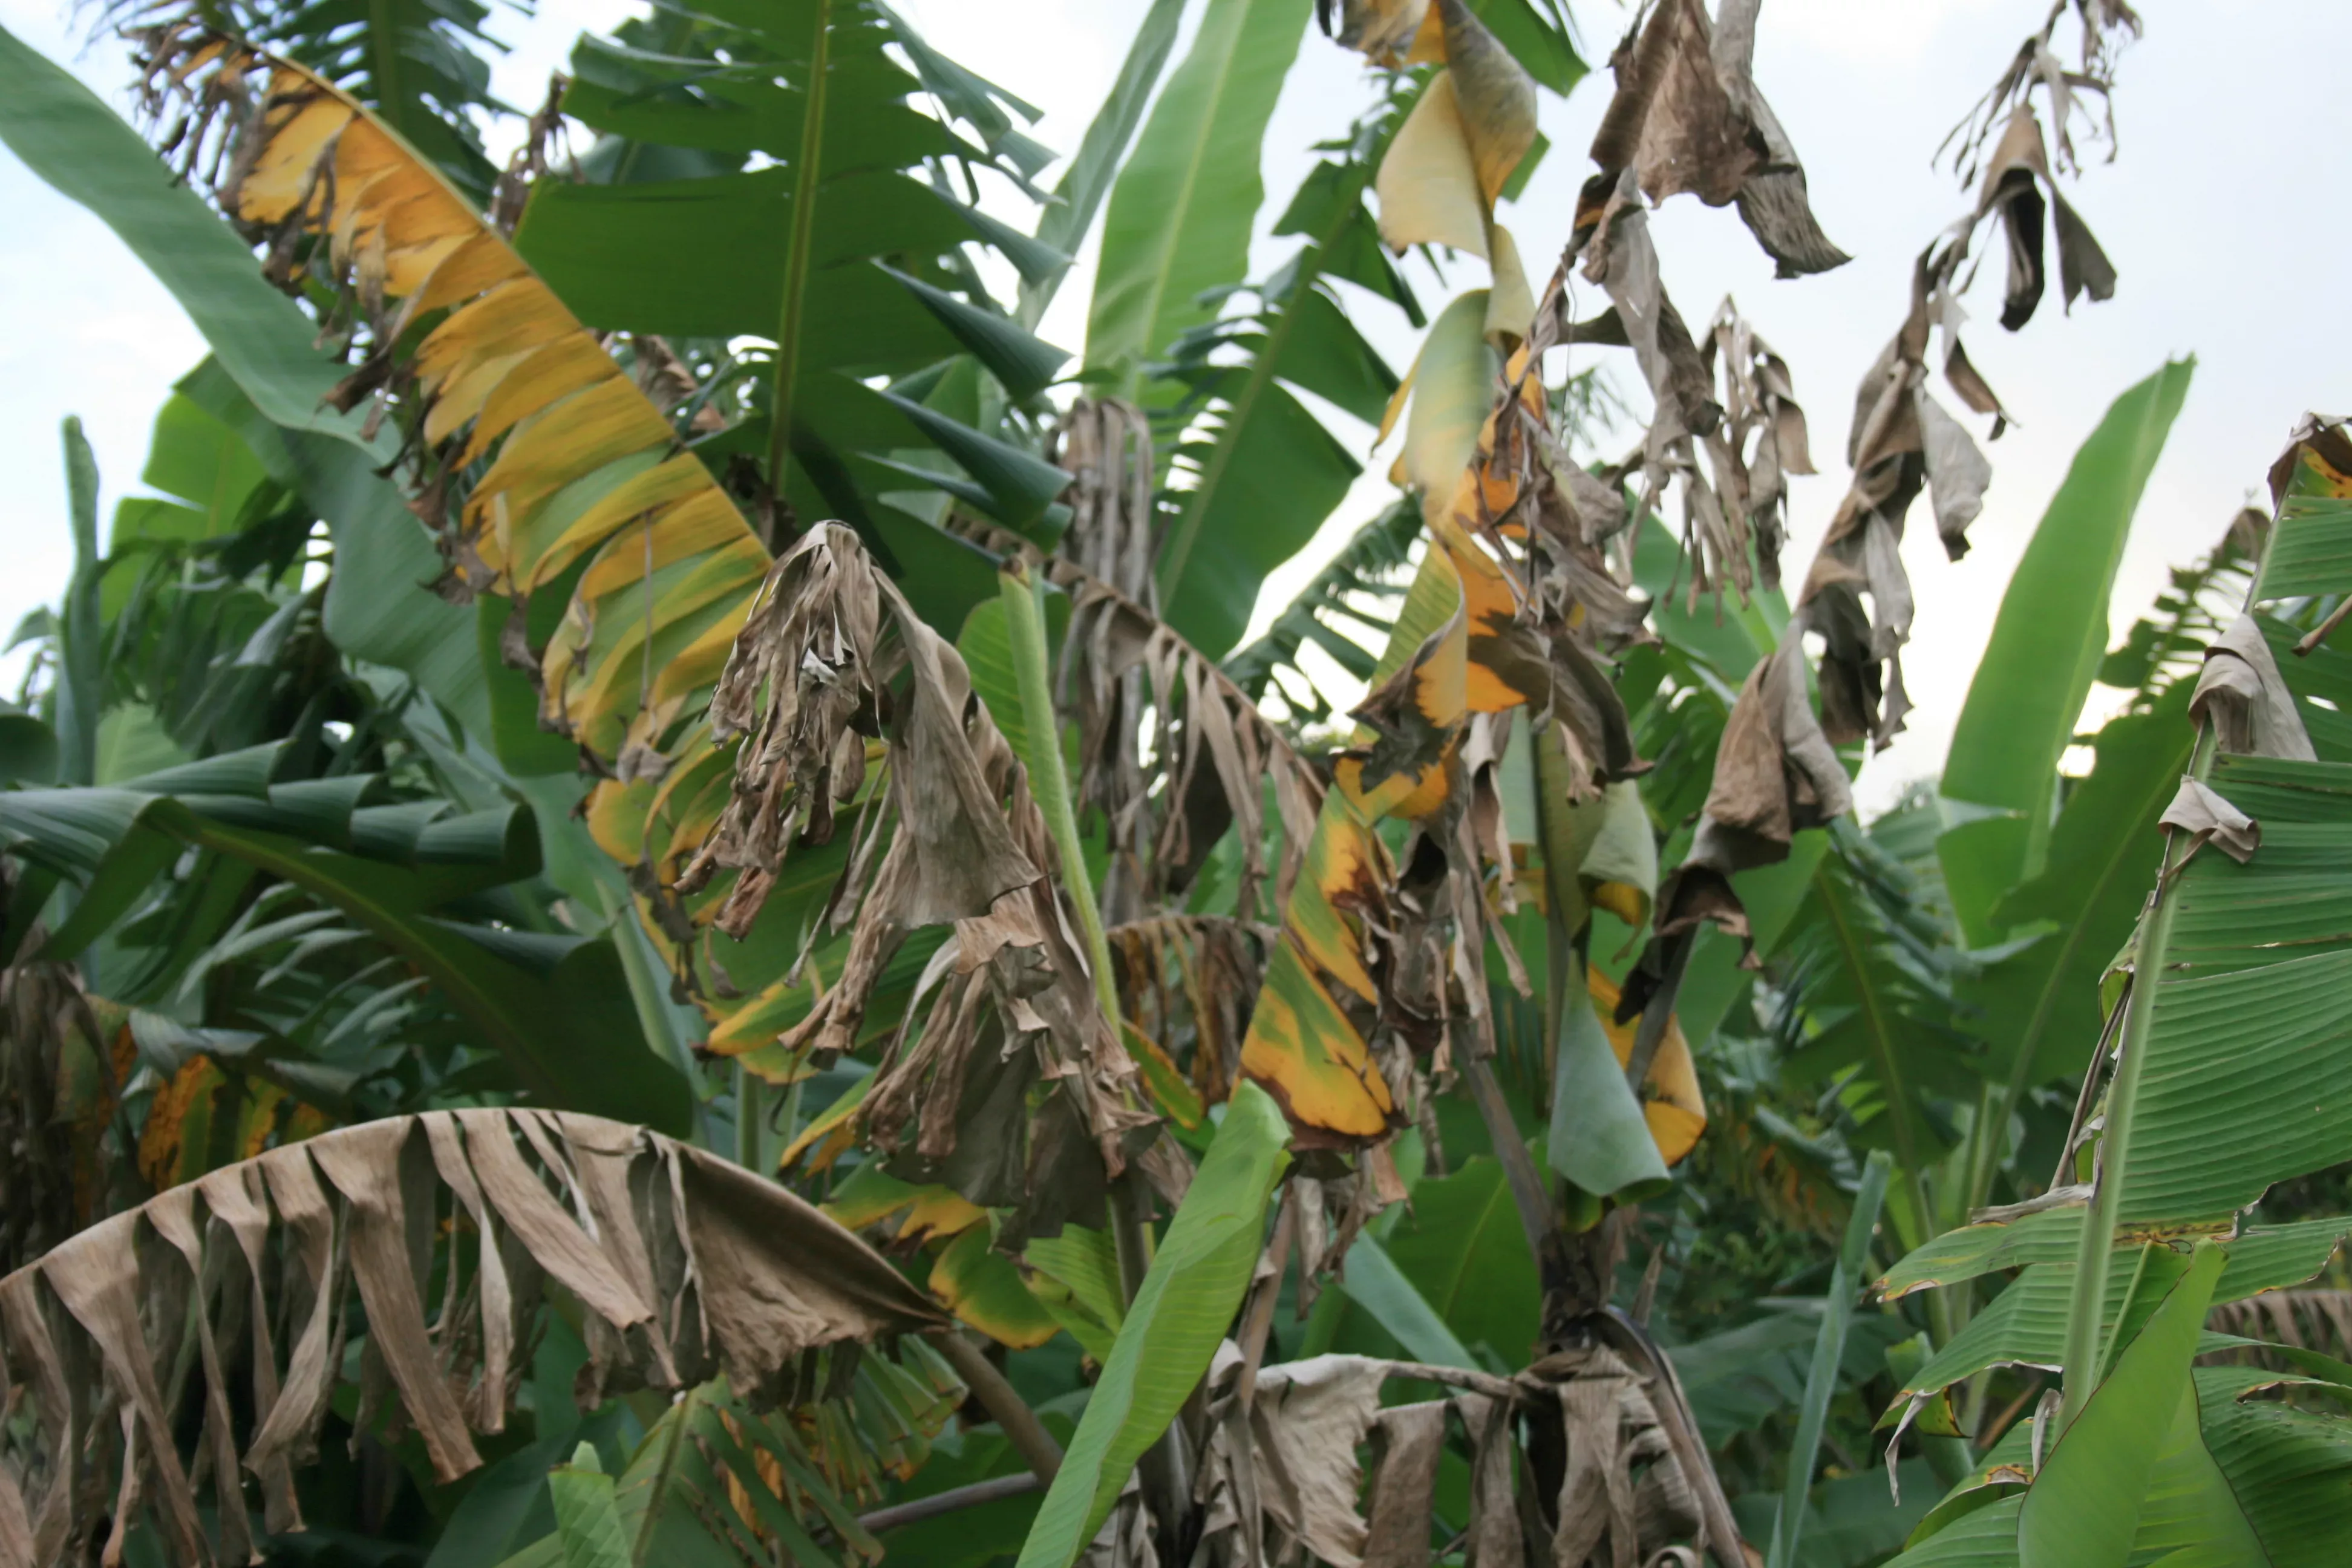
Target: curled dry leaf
<point>1775,774</point>
<point>1761,439</point>
<point>215,1315</point>
<point>2015,178</point>
<point>488,373</point>
<point>1280,1469</point>
<point>2203,814</point>
<point>2242,694</point>
<point>1458,149</point>
<point>832,655</point>
<point>1688,117</point>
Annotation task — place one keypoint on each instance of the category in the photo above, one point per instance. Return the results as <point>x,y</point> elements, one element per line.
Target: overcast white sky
<point>2219,215</point>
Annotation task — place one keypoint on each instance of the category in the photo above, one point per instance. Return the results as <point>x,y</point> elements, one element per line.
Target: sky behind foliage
<point>2215,214</point>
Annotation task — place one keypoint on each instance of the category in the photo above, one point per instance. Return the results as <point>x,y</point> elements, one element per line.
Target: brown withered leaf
<point>1105,445</point>
<point>1186,984</point>
<point>1761,440</point>
<point>57,1164</point>
<point>1775,771</point>
<point>683,1266</point>
<point>2242,694</point>
<point>2016,177</point>
<point>831,641</point>
<point>1687,116</point>
<point>1122,666</point>
<point>1610,1429</point>
<point>2203,814</point>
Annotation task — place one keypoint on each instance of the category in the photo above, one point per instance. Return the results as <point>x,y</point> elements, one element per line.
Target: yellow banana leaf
<point>1467,135</point>
<point>580,464</point>
<point>1671,1102</point>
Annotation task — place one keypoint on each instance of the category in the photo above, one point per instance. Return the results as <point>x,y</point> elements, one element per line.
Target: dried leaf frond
<point>1140,691</point>
<point>1281,1470</point>
<point>257,1275</point>
<point>830,657</point>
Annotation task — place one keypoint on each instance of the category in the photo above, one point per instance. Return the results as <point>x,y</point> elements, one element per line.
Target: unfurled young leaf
<point>1173,1327</point>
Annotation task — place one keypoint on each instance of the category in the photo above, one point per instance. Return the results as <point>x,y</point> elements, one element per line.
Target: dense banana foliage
<point>657,908</point>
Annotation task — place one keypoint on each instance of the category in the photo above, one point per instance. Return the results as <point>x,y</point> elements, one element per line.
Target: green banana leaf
<point>2083,1508</point>
<point>557,1009</point>
<point>587,1516</point>
<point>1079,196</point>
<point>2047,644</point>
<point>1181,214</point>
<point>1173,1326</point>
<point>1829,1356</point>
<point>69,138</point>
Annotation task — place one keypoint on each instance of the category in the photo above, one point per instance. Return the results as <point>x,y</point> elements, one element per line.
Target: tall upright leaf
<point>2046,646</point>
<point>1173,1326</point>
<point>82,676</point>
<point>1180,216</point>
<point>1080,195</point>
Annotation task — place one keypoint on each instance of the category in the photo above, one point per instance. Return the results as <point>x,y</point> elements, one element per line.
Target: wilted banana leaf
<point>683,1264</point>
<point>1173,1326</point>
<point>414,62</point>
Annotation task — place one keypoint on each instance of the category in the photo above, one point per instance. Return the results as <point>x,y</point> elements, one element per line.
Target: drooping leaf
<point>673,1291</point>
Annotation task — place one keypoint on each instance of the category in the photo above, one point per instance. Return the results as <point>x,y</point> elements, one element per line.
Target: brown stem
<point>1022,1428</point>
<point>948,1501</point>
<point>1259,1319</point>
<point>1657,1013</point>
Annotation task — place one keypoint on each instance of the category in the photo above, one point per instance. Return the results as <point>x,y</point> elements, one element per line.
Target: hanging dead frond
<point>1688,117</point>
<point>831,657</point>
<point>2106,27</point>
<point>1141,693</point>
<point>1105,445</point>
<point>1186,986</point>
<point>1589,1451</point>
<point>1761,440</point>
<point>200,1337</point>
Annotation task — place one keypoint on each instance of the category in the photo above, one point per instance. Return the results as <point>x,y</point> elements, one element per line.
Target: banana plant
<point>2159,1213</point>
<point>1013,922</point>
